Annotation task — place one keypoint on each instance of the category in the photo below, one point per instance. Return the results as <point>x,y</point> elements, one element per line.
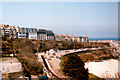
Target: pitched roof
<point>27,29</point>
<point>72,36</point>
<point>67,35</point>
<point>61,35</point>
<point>56,35</point>
<point>86,37</point>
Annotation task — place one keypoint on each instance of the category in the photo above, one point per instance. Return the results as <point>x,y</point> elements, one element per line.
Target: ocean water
<point>96,39</point>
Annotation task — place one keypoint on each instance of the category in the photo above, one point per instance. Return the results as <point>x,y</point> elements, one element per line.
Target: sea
<point>97,39</point>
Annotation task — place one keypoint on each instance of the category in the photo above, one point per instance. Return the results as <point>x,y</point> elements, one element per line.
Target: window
<point>28,30</point>
<point>34,30</point>
<point>20,29</point>
<point>25,29</point>
<point>31,30</point>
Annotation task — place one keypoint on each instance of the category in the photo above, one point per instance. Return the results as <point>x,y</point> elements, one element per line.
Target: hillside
<point>27,47</point>
<point>45,45</point>
<point>24,50</point>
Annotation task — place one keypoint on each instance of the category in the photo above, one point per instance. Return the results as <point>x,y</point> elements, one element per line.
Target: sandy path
<point>101,69</point>
<point>10,65</point>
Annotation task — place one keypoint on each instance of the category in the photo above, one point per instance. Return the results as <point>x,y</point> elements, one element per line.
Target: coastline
<point>97,39</point>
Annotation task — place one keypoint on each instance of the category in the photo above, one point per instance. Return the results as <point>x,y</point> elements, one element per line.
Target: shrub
<point>34,67</point>
<point>73,66</point>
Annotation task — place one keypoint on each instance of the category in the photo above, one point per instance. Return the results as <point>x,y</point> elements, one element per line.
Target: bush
<point>73,66</point>
<point>34,67</point>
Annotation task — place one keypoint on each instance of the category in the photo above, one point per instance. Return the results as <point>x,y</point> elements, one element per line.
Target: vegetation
<point>45,45</point>
<point>7,46</point>
<point>26,48</point>
<point>107,75</point>
<point>33,66</point>
<point>98,55</point>
<point>73,66</point>
<point>24,52</point>
<point>15,75</point>
<point>94,77</point>
<point>26,56</point>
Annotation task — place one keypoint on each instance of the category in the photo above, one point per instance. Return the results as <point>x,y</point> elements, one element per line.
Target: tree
<point>4,38</point>
<point>73,66</point>
<point>34,67</point>
<point>7,46</point>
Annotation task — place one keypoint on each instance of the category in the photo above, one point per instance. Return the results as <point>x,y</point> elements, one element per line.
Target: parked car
<point>43,77</point>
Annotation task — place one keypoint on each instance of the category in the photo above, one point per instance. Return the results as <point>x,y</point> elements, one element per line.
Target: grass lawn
<point>94,77</point>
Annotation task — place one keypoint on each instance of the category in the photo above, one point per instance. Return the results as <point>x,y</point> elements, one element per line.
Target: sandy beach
<point>104,69</point>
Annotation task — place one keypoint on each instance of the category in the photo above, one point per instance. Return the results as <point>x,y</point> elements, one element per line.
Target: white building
<point>74,38</point>
<point>57,37</point>
<point>21,32</point>
<point>84,39</point>
<point>8,30</point>
<point>32,33</point>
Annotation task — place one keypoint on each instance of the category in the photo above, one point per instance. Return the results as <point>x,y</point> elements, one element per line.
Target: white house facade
<point>32,33</point>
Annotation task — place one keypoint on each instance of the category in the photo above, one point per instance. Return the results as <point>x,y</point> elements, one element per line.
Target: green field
<point>94,77</point>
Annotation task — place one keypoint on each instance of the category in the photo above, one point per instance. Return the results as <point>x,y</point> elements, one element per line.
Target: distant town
<point>38,34</point>
<point>32,53</point>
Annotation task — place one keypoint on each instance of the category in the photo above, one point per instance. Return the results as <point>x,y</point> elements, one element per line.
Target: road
<point>82,50</point>
<point>46,67</point>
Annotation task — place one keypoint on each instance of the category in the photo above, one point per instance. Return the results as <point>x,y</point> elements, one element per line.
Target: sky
<point>92,19</point>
